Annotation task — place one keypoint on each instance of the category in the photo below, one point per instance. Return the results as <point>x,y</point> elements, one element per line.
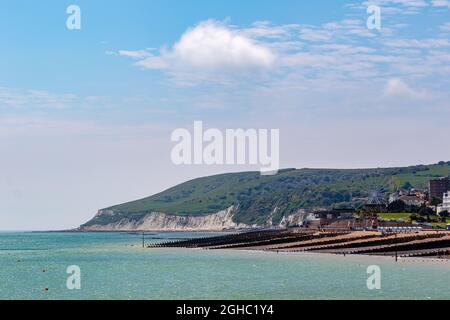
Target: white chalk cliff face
<point>156,221</point>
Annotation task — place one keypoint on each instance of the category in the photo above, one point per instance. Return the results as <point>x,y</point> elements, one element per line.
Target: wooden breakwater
<point>435,244</point>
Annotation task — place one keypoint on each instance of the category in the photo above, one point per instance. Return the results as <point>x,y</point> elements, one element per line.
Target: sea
<point>115,266</point>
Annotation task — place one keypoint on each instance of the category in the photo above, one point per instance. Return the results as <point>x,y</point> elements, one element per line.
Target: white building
<point>445,206</point>
<point>394,196</point>
<point>412,201</point>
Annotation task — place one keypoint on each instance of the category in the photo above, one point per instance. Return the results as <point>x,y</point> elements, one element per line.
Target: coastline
<point>415,245</point>
<point>115,266</point>
<point>315,254</point>
<point>234,232</point>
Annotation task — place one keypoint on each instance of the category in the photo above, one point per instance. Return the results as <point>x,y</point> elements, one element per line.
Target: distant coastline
<point>248,200</point>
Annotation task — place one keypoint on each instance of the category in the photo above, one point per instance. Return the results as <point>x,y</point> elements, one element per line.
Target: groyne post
<point>396,249</point>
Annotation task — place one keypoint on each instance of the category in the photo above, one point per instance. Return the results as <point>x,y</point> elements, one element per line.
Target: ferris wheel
<point>377,196</point>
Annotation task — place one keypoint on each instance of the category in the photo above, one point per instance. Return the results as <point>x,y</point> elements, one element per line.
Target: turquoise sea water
<point>115,266</point>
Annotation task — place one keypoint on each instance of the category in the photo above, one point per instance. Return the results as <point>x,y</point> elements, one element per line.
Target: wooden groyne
<point>435,244</point>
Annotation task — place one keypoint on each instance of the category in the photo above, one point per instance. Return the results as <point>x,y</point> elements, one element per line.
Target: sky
<point>86,115</point>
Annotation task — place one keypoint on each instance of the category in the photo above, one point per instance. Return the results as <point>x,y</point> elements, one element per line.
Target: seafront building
<point>438,187</point>
<point>412,201</point>
<point>413,197</point>
<point>445,206</point>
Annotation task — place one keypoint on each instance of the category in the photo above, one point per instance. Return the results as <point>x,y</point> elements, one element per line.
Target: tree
<point>397,206</point>
<point>426,211</point>
<point>407,186</point>
<point>416,217</point>
<point>435,201</point>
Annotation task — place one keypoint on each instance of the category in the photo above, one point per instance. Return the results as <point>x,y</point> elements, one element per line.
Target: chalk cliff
<point>158,221</point>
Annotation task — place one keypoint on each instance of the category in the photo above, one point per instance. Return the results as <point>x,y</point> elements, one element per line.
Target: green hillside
<point>290,190</point>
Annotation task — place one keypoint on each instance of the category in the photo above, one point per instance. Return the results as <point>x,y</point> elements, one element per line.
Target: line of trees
<point>419,213</point>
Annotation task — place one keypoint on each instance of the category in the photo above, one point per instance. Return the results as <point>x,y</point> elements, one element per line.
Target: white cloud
<point>35,98</point>
<point>312,34</point>
<point>333,53</point>
<point>401,7</point>
<point>213,52</point>
<point>397,88</point>
<point>441,3</point>
<point>264,29</point>
<point>394,7</point>
<point>138,54</point>
<point>416,43</point>
<point>398,6</point>
<point>445,27</point>
<point>208,47</point>
<point>21,99</point>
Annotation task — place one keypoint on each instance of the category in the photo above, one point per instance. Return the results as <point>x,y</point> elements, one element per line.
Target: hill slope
<point>258,198</point>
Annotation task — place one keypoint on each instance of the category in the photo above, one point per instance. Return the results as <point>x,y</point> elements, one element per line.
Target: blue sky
<point>110,25</point>
<point>86,115</point>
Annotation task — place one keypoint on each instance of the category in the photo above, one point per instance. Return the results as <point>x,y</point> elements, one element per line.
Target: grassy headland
<point>259,197</point>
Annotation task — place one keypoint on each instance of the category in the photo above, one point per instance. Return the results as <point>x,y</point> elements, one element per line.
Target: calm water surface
<point>115,266</point>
